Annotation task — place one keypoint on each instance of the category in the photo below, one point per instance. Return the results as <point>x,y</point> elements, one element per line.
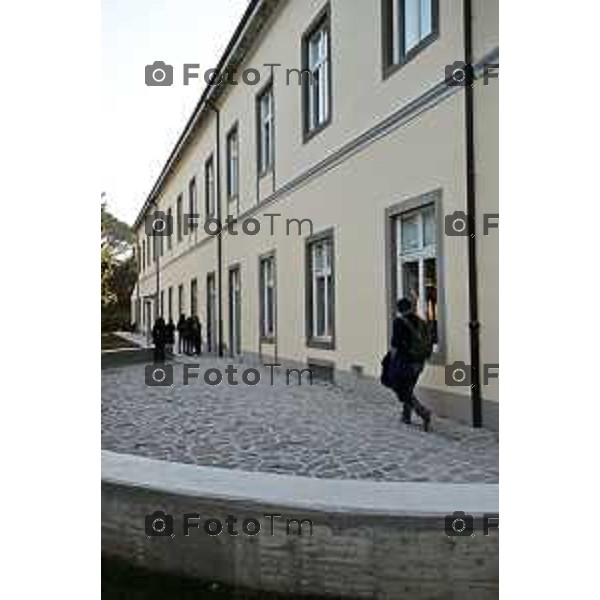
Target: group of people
<point>188,332</point>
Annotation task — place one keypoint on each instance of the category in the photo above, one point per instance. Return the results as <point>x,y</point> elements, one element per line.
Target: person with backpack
<point>411,347</point>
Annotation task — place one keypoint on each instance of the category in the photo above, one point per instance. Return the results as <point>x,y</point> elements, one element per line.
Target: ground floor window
<point>194,298</point>
<point>416,256</point>
<point>180,300</point>
<point>320,298</point>
<point>267,297</point>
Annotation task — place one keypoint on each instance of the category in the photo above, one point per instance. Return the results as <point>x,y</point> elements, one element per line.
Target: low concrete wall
<point>369,540</point>
<point>126,357</point>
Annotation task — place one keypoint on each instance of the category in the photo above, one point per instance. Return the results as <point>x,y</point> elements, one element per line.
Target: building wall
<point>421,154</point>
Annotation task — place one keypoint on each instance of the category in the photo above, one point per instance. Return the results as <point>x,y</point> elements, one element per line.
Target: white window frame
<point>233,167</point>
<point>400,49</point>
<point>318,63</point>
<point>267,281</point>
<point>325,272</point>
<point>419,254</point>
<point>209,172</point>
<point>266,130</point>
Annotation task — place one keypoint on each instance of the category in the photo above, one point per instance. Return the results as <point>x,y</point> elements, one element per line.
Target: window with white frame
<point>170,237</point>
<point>209,173</point>
<point>317,90</point>
<point>412,23</point>
<point>233,165</point>
<point>267,297</point>
<point>265,131</point>
<point>321,309</point>
<point>417,263</point>
<point>193,222</point>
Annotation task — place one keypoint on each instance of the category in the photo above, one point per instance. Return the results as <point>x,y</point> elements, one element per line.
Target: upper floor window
<point>233,164</point>
<point>193,223</point>
<point>170,237</point>
<point>408,26</point>
<point>265,131</point>
<point>317,87</point>
<point>209,174</point>
<point>320,301</point>
<point>143,255</point>
<point>179,218</point>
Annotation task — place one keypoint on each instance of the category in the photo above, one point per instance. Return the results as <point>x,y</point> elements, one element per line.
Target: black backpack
<point>420,348</point>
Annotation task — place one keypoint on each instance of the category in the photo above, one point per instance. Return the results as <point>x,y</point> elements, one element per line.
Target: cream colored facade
<point>393,143</point>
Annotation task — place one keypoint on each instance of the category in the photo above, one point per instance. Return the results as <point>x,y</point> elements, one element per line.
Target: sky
<point>140,124</point>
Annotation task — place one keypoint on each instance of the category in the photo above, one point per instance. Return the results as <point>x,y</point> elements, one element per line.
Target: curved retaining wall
<point>369,540</point>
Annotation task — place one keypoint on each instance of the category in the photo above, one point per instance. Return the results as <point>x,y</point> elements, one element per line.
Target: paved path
<point>315,431</point>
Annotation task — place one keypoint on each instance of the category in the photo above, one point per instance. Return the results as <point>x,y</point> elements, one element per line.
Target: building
<point>365,168</point>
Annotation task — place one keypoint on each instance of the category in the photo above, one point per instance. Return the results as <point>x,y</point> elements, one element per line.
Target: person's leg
<point>421,410</point>
<point>403,391</point>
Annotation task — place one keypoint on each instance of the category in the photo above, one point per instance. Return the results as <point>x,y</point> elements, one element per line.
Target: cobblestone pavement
<point>319,431</point>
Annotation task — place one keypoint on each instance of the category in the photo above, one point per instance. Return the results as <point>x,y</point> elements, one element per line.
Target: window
<point>211,205</point>
<point>416,263</point>
<point>194,298</point>
<point>320,291</point>
<point>265,131</point>
<point>148,252</point>
<point>162,304</point>
<point>408,26</point>
<point>179,218</point>
<point>143,255</point>
<point>317,87</point>
<point>161,244</point>
<point>180,307</point>
<point>170,304</point>
<point>267,298</point>
<point>193,205</point>
<point>170,237</point>
<point>233,166</point>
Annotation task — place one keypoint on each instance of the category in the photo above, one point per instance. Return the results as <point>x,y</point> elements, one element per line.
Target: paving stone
<point>319,431</point>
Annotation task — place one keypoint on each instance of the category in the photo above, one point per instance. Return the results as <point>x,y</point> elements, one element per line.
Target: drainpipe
<point>474,324</point>
<point>217,112</point>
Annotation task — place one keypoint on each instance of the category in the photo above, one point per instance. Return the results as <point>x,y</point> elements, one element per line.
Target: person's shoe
<point>426,422</point>
<point>406,421</point>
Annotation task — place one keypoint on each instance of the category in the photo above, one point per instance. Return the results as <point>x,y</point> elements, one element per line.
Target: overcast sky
<point>141,124</point>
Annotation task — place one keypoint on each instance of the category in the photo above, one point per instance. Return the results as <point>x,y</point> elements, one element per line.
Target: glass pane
<point>412,16</point>
<point>428,226</point>
<point>426,17</point>
<point>410,233</point>
<point>318,258</point>
<point>410,281</point>
<point>320,291</point>
<point>431,296</point>
<point>330,305</point>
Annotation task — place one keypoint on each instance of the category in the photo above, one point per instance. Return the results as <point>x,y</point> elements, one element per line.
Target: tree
<point>118,269</point>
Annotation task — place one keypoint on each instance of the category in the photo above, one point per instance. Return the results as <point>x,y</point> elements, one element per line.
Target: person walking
<point>181,334</point>
<point>197,336</point>
<point>411,347</point>
<point>188,345</point>
<point>170,336</point>
<point>159,339</point>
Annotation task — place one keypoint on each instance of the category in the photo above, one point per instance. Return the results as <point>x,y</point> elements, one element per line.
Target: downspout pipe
<point>217,112</point>
<point>474,324</point>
